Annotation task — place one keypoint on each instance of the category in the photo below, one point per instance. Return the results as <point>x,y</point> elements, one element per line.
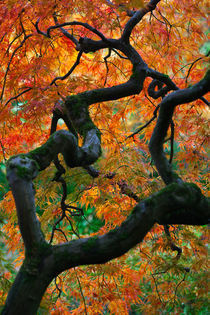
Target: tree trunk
<point>26,293</point>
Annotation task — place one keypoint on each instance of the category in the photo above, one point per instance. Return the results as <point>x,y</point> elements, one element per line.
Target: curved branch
<point>167,107</point>
<point>136,18</point>
<point>20,172</point>
<point>161,92</point>
<point>162,78</point>
<point>70,71</point>
<point>15,97</point>
<point>145,125</point>
<point>9,63</point>
<point>170,85</point>
<point>175,204</point>
<point>22,169</point>
<point>65,32</point>
<point>65,142</point>
<point>85,25</point>
<point>131,87</point>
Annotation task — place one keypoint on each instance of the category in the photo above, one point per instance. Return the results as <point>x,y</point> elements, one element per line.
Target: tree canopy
<point>103,138</point>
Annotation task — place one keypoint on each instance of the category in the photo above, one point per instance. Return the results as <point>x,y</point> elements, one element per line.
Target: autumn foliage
<point>46,56</point>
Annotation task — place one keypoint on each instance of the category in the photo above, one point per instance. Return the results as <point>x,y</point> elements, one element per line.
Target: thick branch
<point>136,18</point>
<point>20,172</point>
<point>65,142</point>
<point>133,86</point>
<point>22,169</point>
<point>176,204</point>
<point>162,78</point>
<point>167,107</point>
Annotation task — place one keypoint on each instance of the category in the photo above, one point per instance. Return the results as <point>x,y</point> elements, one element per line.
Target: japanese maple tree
<point>103,122</point>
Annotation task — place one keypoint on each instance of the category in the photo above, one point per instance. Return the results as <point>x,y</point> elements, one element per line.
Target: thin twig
<point>76,23</point>
<point>9,63</point>
<point>162,302</point>
<point>70,71</point>
<point>173,246</point>
<point>65,32</point>
<point>10,44</point>
<point>205,101</point>
<point>57,287</point>
<point>15,97</point>
<point>192,64</point>
<point>126,190</point>
<point>121,56</point>
<point>107,68</point>
<point>145,125</point>
<point>80,288</point>
<point>73,230</point>
<point>3,151</point>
